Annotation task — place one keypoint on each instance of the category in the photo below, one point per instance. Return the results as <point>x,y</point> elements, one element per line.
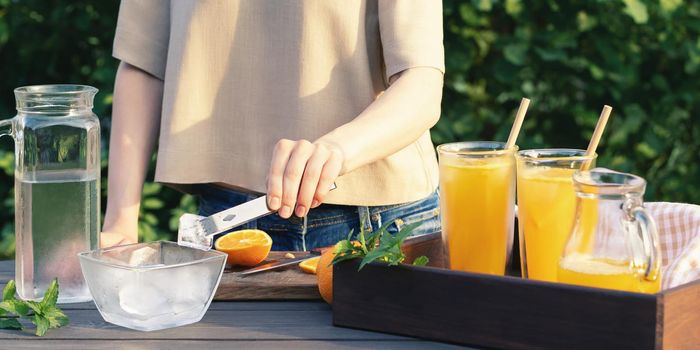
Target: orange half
<point>245,247</point>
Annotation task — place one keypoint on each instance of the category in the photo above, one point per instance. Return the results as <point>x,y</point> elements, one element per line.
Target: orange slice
<point>245,247</point>
<point>309,266</point>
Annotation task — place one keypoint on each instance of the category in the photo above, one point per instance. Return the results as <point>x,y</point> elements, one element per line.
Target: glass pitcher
<point>614,243</point>
<point>57,187</point>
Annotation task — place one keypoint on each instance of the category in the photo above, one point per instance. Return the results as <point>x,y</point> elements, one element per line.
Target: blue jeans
<point>327,224</point>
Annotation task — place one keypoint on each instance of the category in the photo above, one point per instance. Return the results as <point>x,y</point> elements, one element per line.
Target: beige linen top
<point>239,75</point>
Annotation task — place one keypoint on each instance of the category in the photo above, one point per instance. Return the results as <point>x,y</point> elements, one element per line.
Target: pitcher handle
<point>7,127</point>
<point>650,238</point>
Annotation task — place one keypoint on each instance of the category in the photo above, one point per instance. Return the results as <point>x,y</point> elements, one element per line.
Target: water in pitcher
<point>56,219</point>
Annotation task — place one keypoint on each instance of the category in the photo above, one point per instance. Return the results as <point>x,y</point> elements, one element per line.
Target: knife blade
<point>279,263</point>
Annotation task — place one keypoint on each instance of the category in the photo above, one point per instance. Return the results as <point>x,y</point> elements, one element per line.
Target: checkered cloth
<point>679,232</point>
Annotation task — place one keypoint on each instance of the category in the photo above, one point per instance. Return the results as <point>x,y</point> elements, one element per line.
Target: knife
<point>279,263</point>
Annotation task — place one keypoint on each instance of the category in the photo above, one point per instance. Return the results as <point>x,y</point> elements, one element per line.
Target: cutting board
<point>287,282</point>
<point>290,282</point>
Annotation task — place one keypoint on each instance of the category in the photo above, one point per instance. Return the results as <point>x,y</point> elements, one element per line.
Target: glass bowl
<point>151,286</point>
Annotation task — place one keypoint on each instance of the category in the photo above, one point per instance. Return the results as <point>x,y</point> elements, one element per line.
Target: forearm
<point>393,121</point>
<point>135,123</point>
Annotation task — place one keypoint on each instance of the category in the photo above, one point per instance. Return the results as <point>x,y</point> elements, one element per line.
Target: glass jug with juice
<point>620,249</point>
<point>57,175</point>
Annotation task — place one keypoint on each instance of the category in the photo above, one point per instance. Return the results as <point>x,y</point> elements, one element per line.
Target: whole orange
<point>324,273</point>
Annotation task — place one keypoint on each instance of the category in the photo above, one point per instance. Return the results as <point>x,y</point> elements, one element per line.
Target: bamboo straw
<point>597,133</point>
<point>519,117</point>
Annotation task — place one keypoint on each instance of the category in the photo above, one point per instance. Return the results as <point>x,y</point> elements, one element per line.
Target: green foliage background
<point>569,57</point>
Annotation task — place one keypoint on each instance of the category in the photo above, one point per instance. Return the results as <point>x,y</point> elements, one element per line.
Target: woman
<point>283,98</point>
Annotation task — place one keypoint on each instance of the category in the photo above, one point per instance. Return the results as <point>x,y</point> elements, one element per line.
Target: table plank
<point>244,325</point>
<point>216,345</point>
<point>217,324</point>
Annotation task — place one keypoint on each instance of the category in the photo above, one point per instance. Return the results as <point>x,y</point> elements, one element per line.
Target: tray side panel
<point>681,317</point>
<point>492,311</point>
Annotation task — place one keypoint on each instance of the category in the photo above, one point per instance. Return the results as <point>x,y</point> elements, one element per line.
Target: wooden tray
<point>510,312</point>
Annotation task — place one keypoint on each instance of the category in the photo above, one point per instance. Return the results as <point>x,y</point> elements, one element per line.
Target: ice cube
<point>142,299</point>
<point>189,234</point>
<point>193,283</point>
<point>144,256</point>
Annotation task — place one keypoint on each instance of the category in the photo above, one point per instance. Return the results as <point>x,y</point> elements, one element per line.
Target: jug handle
<point>7,127</point>
<point>650,239</point>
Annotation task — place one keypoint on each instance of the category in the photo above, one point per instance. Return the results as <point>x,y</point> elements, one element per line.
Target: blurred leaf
<point>152,203</point>
<point>515,53</point>
<point>514,7</point>
<point>637,10</point>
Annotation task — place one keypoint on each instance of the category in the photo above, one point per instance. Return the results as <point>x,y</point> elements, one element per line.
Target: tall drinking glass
<point>477,200</point>
<point>546,207</point>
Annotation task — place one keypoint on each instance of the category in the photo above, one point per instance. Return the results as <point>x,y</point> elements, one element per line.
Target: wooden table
<point>240,325</point>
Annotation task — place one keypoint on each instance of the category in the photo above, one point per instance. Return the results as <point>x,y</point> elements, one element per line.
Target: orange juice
<point>585,270</point>
<point>546,211</point>
<point>477,204</point>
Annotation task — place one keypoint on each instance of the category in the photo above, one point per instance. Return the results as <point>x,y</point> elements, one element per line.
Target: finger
<point>329,174</point>
<point>309,181</point>
<point>293,172</point>
<point>280,157</point>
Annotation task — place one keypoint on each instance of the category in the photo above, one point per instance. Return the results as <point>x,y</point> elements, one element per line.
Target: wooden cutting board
<point>289,282</point>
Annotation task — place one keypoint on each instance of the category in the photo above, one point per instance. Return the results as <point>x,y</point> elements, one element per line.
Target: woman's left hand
<point>301,174</point>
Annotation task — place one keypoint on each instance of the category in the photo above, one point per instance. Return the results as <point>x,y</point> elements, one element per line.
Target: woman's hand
<point>111,239</point>
<point>301,174</point>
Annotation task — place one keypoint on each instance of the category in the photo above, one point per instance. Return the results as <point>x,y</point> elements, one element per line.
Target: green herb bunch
<point>44,314</point>
<point>376,246</point>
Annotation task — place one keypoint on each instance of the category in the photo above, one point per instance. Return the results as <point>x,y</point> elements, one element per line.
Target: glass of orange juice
<point>546,207</point>
<point>477,200</point>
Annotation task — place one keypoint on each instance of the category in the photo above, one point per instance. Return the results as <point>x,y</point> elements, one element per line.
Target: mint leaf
<point>10,323</point>
<point>371,256</point>
<point>36,307</point>
<point>421,261</point>
<point>405,232</point>
<point>55,316</point>
<point>42,325</point>
<point>338,258</point>
<point>343,247</point>
<point>51,295</point>
<point>16,307</point>
<point>375,237</point>
<point>377,246</point>
<point>9,292</point>
<point>45,314</point>
<point>350,234</point>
